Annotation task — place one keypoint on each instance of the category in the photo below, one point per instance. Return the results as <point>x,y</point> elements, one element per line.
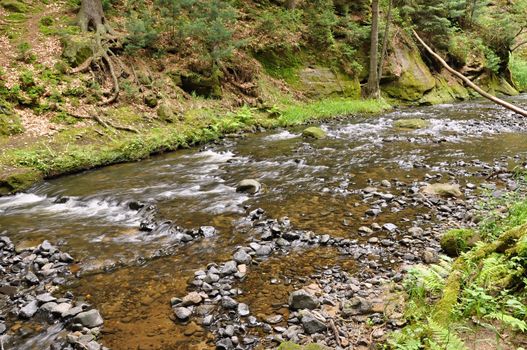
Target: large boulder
<point>442,190</point>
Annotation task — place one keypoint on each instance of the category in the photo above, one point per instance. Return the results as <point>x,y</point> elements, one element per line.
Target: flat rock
<point>249,186</point>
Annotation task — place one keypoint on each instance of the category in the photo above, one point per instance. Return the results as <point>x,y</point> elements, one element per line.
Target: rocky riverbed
<point>256,239</point>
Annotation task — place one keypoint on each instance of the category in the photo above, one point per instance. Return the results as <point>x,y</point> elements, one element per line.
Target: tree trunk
<point>467,81</point>
<point>385,38</point>
<point>91,17</point>
<point>372,87</point>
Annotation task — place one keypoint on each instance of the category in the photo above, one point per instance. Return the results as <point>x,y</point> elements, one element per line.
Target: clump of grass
<point>302,113</point>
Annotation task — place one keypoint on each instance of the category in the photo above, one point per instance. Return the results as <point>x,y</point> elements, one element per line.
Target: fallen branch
<point>107,124</point>
<point>467,81</point>
<point>336,332</point>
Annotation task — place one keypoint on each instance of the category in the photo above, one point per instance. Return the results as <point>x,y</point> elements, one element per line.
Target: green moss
<point>457,241</point>
<point>10,124</point>
<point>415,123</point>
<point>77,48</point>
<point>314,133</point>
<point>292,346</point>
<point>14,6</point>
<point>18,179</point>
<point>282,65</point>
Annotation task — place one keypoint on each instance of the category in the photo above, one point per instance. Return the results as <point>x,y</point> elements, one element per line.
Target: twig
<point>335,331</point>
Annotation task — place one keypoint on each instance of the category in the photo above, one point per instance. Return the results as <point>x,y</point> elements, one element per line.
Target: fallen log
<point>467,81</point>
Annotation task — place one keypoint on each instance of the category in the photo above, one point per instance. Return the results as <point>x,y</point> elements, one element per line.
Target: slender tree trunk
<point>372,87</point>
<point>467,81</point>
<point>385,38</point>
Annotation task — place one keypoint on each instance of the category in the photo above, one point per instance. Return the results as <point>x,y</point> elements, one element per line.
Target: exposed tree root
<point>105,123</point>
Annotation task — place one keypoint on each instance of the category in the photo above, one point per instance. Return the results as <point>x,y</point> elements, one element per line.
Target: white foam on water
<point>108,210</point>
<point>284,135</point>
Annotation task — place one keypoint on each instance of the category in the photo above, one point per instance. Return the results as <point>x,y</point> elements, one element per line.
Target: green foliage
<point>281,26</point>
<point>518,67</point>
<point>320,18</point>
<point>142,34</point>
<point>24,53</point>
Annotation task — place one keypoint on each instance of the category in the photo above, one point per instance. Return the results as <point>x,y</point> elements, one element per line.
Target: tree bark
<point>467,81</point>
<point>384,47</point>
<point>372,87</point>
<point>91,17</point>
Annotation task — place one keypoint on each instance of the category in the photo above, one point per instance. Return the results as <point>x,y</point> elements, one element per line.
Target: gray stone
<point>356,306</point>
<point>243,309</point>
<point>207,320</point>
<point>45,298</point>
<point>229,268</point>
<point>28,310</point>
<point>192,298</point>
<point>61,308</point>
<point>389,227</point>
<point>301,299</point>
<point>241,257</point>
<point>90,319</point>
<point>228,302</point>
<point>207,231</point>
<point>248,186</point>
<point>182,313</point>
<point>311,323</point>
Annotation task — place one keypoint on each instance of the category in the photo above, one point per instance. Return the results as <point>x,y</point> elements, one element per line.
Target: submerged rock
<point>414,123</point>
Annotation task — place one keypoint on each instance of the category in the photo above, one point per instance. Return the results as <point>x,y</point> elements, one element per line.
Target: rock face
<point>323,82</point>
<point>442,190</point>
<point>249,186</point>
<point>409,76</point>
<point>314,132</point>
<point>415,123</point>
<point>301,299</point>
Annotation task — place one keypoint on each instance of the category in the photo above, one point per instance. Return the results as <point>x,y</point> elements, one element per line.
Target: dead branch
<point>335,332</point>
<point>467,81</point>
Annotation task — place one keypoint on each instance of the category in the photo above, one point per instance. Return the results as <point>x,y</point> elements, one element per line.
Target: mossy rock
<point>151,100</point>
<point>318,82</point>
<point>314,132</point>
<point>415,123</point>
<point>14,6</point>
<point>10,124</point>
<point>167,112</point>
<point>457,241</point>
<point>77,48</point>
<point>407,77</point>
<point>292,346</point>
<point>17,179</point>
<point>201,85</point>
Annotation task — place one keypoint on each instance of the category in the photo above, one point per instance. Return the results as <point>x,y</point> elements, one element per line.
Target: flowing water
<point>314,183</point>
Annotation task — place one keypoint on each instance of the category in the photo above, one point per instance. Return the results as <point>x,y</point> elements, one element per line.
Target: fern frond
<point>444,337</point>
<point>508,320</point>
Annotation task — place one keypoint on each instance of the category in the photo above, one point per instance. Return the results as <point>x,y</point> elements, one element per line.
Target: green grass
<point>302,113</point>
